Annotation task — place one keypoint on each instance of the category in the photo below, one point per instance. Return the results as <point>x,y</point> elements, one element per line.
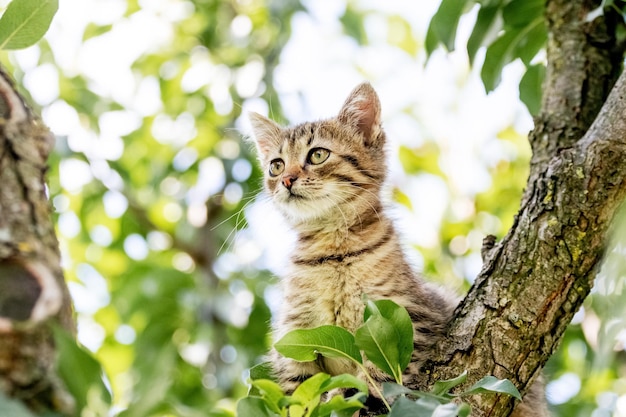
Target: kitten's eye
<point>277,166</point>
<point>318,155</point>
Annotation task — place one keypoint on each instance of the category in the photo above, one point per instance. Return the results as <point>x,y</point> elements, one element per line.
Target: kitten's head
<point>333,167</point>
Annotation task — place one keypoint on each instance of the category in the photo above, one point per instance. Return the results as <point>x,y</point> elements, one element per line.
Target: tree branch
<point>534,280</point>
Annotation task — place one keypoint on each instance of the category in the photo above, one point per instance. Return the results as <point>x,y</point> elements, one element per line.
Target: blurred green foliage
<point>150,183</point>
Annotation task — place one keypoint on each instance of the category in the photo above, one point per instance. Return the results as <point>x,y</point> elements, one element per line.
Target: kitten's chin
<point>302,210</point>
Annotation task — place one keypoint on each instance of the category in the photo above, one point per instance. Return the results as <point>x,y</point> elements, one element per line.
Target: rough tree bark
<point>535,279</point>
<point>33,293</point>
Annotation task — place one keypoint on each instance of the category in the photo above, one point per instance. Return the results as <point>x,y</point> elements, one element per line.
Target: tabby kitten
<point>325,178</point>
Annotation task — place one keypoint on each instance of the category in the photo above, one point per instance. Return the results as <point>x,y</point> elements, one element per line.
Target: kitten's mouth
<point>293,196</point>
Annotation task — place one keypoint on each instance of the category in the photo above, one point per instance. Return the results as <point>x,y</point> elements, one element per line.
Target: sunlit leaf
<point>424,159</point>
<point>330,341</point>
<point>253,406</point>
<point>400,34</point>
<point>308,395</point>
<point>344,381</point>
<point>338,406</point>
<point>271,393</point>
<point>25,22</point>
<point>402,198</point>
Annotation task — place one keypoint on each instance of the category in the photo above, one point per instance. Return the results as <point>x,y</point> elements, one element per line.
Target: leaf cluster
<point>384,341</point>
<point>509,29</point>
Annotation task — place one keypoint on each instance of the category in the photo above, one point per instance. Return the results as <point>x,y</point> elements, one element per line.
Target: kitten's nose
<point>288,180</point>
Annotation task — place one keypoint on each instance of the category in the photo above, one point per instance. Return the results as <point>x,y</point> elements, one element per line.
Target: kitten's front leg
<point>290,373</point>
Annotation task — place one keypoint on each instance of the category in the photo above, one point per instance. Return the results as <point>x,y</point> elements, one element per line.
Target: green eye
<point>318,155</point>
<point>277,166</point>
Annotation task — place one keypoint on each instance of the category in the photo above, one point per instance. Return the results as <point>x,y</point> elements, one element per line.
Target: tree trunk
<point>33,293</point>
<point>535,279</point>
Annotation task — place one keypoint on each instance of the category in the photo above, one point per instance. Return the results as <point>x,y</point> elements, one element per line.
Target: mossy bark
<point>33,293</point>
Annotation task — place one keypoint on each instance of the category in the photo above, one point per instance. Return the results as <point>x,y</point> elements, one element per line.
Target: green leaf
<point>431,42</point>
<point>519,13</point>
<point>352,23</point>
<point>391,390</point>
<point>160,375</point>
<point>516,42</point>
<point>78,369</point>
<point>400,34</point>
<point>308,395</point>
<point>338,406</point>
<point>484,23</point>
<point>498,55</point>
<point>422,159</point>
<point>253,406</point>
<point>464,410</point>
<point>344,381</point>
<point>428,407</point>
<point>444,387</point>
<point>530,88</point>
<point>13,408</point>
<point>443,25</point>
<point>402,198</point>
<point>386,336</point>
<point>493,384</point>
<point>262,371</point>
<point>404,407</point>
<point>533,40</point>
<point>330,341</point>
<point>271,393</point>
<point>448,410</point>
<point>25,22</point>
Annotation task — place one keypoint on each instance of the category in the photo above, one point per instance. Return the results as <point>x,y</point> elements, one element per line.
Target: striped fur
<point>347,247</point>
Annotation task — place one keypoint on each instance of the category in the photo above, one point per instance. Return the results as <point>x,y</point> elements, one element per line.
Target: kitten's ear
<point>266,133</point>
<point>362,111</point>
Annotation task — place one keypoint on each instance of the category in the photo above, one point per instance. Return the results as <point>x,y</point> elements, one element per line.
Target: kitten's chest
<point>331,293</point>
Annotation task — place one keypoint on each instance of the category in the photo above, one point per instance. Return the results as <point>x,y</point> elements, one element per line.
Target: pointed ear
<point>266,133</point>
<point>362,111</point>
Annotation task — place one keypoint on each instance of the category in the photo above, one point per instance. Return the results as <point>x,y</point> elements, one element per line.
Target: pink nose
<point>288,181</point>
